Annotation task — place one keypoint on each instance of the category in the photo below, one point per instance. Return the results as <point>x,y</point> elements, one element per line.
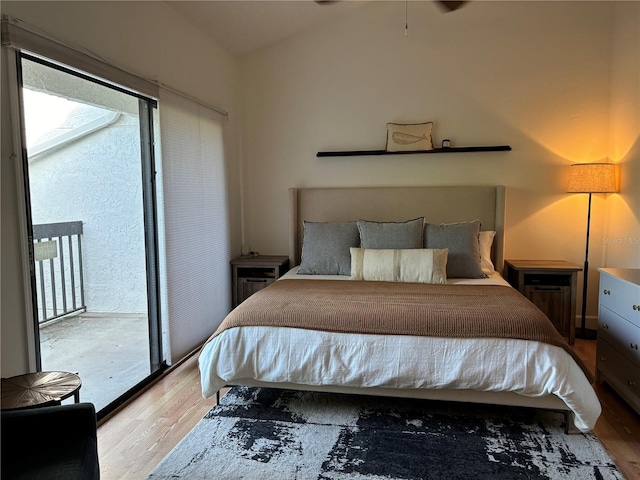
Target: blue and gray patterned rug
<point>271,434</point>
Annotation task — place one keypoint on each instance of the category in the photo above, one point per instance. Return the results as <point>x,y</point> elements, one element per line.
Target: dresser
<point>618,354</point>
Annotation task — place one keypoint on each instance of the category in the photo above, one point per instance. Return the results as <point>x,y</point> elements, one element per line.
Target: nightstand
<point>250,274</point>
<point>551,285</point>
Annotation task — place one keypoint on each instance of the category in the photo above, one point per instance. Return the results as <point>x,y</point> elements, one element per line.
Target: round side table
<point>39,389</point>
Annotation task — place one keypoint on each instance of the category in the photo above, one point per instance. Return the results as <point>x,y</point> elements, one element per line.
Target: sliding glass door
<point>91,204</point>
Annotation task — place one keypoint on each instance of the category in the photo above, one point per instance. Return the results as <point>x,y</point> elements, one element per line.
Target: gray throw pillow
<point>396,235</point>
<point>325,248</point>
<point>461,239</point>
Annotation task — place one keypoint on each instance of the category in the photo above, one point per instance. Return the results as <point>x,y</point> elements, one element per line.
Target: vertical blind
<point>195,223</point>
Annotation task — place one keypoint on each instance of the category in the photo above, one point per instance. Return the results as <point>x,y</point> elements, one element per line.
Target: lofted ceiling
<point>241,26</point>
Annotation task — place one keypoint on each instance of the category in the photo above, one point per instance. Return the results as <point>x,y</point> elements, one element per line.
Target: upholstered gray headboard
<point>437,204</point>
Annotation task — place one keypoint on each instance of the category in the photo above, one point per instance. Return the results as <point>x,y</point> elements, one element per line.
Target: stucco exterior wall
<point>97,180</point>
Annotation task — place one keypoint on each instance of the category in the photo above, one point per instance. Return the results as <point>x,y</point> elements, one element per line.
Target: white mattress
<point>308,357</point>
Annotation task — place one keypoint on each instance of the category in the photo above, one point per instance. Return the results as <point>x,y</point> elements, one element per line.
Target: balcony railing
<point>58,261</point>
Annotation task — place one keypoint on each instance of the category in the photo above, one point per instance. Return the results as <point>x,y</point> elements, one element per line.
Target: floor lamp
<point>590,178</point>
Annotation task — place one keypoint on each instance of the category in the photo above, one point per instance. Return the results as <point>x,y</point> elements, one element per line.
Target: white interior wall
<point>622,236</point>
<point>535,75</point>
<point>147,39</point>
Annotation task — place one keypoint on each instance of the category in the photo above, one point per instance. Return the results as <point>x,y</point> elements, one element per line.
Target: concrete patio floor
<point>111,354</point>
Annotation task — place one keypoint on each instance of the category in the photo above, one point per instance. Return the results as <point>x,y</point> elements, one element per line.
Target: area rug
<point>268,434</point>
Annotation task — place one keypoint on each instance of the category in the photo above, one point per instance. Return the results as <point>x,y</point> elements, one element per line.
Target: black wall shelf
<point>360,153</point>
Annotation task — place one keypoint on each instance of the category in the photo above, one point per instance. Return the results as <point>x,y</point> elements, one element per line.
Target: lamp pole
<point>585,275</point>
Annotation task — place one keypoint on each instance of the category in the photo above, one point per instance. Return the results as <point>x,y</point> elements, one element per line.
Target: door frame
<point>146,105</point>
<point>23,203</point>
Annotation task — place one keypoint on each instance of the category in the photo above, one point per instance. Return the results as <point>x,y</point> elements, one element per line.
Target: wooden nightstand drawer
<point>555,303</point>
<point>249,286</point>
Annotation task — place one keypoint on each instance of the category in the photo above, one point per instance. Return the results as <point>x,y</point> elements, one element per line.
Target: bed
<point>378,326</point>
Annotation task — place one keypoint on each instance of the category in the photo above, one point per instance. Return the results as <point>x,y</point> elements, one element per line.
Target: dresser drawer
<point>618,372</point>
<point>620,297</point>
<point>620,333</point>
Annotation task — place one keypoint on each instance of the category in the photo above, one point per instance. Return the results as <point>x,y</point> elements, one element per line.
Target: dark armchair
<point>58,442</point>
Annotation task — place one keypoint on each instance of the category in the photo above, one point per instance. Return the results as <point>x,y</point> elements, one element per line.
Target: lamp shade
<point>592,178</point>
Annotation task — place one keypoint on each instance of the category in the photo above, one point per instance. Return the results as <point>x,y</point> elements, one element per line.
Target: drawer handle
<point>636,307</point>
<point>255,280</point>
<point>631,383</point>
<point>607,292</point>
<point>603,358</point>
<point>605,326</point>
<point>634,346</point>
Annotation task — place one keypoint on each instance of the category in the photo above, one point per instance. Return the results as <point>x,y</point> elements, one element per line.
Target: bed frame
<point>438,204</point>
<point>435,204</point>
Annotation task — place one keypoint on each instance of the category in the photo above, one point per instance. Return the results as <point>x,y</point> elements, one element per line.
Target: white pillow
<point>486,241</point>
<point>417,265</point>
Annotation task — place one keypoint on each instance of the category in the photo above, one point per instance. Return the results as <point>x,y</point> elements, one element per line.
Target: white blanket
<point>308,357</point>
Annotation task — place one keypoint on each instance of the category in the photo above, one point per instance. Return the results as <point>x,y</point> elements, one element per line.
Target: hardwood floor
<point>134,440</point>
